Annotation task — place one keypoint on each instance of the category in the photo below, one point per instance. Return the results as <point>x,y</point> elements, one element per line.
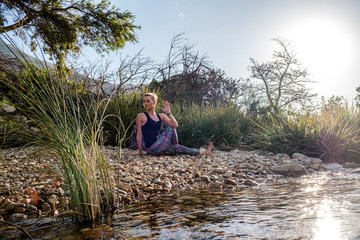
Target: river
<point>321,206</point>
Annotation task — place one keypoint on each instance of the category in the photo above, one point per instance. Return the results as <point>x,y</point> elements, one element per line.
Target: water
<point>322,206</point>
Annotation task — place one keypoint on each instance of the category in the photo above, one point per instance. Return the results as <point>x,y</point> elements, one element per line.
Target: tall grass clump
<point>66,127</point>
<point>225,126</point>
<point>333,134</point>
<point>287,133</point>
<point>121,112</point>
<point>339,135</point>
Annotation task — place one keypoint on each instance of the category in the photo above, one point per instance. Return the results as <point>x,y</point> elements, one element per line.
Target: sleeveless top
<point>150,130</point>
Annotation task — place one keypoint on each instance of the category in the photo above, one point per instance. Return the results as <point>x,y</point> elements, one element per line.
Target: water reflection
<point>327,226</point>
<point>312,207</point>
<point>322,206</point>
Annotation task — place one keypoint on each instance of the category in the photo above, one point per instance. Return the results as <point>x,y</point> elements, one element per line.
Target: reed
<point>70,127</point>
<point>333,134</point>
<point>339,135</point>
<point>225,126</point>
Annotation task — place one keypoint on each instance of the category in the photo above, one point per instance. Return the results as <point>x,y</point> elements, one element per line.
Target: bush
<point>333,134</point>
<point>226,126</point>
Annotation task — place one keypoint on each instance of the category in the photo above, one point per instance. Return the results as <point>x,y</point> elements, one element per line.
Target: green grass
<point>333,134</point>
<point>226,126</point>
<point>71,127</point>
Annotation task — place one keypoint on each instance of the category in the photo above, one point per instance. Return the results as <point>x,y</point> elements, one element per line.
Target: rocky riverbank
<point>31,187</point>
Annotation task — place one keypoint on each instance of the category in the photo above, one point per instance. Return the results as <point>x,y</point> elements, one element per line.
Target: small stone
<point>331,166</point>
<point>11,206</point>
<point>205,178</point>
<point>45,207</point>
<point>249,182</point>
<point>289,169</point>
<point>19,209</point>
<point>142,198</point>
<point>214,178</point>
<point>26,200</point>
<point>127,199</point>
<point>290,161</point>
<point>17,217</point>
<point>52,202</point>
<point>313,161</point>
<point>8,108</point>
<point>167,186</point>
<point>31,208</point>
<point>351,165</point>
<point>299,156</point>
<point>216,185</point>
<point>148,189</point>
<point>124,186</point>
<point>61,191</point>
<point>156,180</point>
<point>230,182</point>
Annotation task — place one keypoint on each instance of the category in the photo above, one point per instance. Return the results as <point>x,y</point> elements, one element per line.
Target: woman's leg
<point>163,145</point>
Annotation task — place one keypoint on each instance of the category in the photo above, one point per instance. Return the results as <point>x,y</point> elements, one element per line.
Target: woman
<point>148,125</point>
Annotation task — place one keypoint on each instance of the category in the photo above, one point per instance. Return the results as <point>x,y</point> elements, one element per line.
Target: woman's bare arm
<point>139,137</point>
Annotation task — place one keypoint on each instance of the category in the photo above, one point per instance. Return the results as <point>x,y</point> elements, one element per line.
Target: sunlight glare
<point>325,46</point>
<point>327,227</point>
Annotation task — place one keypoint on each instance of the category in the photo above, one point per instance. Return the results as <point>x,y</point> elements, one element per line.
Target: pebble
<point>15,217</point>
<point>156,180</point>
<point>45,207</point>
<point>149,177</point>
<point>11,206</point>
<point>230,182</point>
<point>249,182</point>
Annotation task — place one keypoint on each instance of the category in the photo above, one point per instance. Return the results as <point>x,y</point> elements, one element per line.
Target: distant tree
<point>280,83</point>
<point>65,26</point>
<point>133,72</point>
<point>185,76</point>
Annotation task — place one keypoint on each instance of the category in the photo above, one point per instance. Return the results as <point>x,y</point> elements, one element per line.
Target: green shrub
<point>226,126</point>
<point>71,127</point>
<point>333,134</point>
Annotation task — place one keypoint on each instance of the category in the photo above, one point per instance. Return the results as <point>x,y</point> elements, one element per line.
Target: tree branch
<point>25,21</point>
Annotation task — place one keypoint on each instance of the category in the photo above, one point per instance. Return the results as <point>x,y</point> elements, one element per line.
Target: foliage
<point>122,111</point>
<point>187,77</point>
<point>70,127</point>
<point>339,138</point>
<point>64,26</point>
<point>288,133</point>
<point>280,83</point>
<point>333,134</point>
<point>225,126</point>
<point>357,98</point>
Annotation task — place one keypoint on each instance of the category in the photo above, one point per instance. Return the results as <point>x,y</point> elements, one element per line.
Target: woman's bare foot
<point>208,150</point>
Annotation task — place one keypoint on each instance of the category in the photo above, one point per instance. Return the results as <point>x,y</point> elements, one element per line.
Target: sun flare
<point>324,45</point>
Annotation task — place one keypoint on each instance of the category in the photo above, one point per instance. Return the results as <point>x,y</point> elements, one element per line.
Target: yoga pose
<point>148,126</point>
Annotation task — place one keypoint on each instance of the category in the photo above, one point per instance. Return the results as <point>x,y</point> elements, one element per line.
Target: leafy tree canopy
<point>61,27</point>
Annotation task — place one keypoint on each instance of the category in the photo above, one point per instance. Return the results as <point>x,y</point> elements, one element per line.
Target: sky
<point>324,34</point>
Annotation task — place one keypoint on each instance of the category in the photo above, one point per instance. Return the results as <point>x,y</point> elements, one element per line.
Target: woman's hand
<point>166,108</point>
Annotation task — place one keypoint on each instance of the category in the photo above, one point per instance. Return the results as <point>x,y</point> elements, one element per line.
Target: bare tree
<point>187,76</point>
<point>133,72</point>
<point>97,78</point>
<point>283,81</point>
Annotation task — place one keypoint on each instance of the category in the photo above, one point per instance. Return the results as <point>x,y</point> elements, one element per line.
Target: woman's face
<point>149,103</point>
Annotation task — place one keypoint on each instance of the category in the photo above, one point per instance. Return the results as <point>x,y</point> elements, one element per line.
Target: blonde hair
<point>152,95</point>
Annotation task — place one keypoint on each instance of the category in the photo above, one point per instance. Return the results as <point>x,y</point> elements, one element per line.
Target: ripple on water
<point>320,206</point>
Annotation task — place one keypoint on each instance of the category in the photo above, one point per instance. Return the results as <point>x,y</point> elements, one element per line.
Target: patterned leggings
<point>163,145</point>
